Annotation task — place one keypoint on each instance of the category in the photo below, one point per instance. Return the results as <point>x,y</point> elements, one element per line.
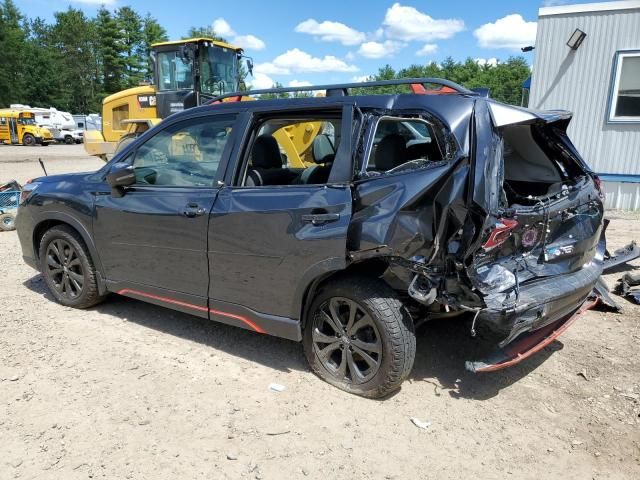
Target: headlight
<point>27,190</point>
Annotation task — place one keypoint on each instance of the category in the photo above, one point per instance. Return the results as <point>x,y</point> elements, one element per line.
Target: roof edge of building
<point>588,7</point>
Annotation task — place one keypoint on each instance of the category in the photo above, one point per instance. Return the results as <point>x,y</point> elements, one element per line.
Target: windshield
<point>219,70</point>
<point>27,121</point>
<point>174,73</point>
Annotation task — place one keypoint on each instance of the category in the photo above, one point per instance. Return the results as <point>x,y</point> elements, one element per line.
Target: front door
<point>152,241</point>
<point>267,242</point>
<point>13,130</point>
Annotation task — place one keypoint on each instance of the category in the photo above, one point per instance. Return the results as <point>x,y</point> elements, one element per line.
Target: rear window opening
<point>537,164</point>
<point>401,143</point>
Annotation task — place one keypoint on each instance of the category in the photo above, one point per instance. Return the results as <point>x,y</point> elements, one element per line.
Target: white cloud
<point>428,49</point>
<point>328,31</point>
<point>511,32</point>
<point>379,50</point>
<point>261,81</point>
<point>491,62</point>
<point>361,78</point>
<point>300,83</point>
<point>408,23</point>
<point>297,61</point>
<point>251,42</point>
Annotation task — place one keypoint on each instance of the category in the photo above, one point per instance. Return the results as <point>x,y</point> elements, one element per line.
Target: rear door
<point>267,243</point>
<point>152,240</point>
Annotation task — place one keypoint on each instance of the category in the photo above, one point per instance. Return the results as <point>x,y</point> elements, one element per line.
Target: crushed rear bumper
<point>538,314</point>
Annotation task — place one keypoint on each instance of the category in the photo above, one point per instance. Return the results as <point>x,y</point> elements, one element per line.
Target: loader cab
<point>185,71</point>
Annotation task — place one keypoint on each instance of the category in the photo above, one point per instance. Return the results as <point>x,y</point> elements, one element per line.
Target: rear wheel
<point>359,337</point>
<point>7,222</point>
<point>28,140</point>
<point>68,140</point>
<point>68,269</point>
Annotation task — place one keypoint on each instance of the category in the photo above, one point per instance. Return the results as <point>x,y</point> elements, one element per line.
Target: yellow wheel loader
<point>185,73</point>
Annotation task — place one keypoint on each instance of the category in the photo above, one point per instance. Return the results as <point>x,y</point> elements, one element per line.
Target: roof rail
<point>342,89</point>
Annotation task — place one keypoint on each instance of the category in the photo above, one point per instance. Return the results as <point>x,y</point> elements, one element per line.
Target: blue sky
<point>340,40</point>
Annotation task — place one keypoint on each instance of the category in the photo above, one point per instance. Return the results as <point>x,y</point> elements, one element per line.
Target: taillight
<point>500,233</point>
<point>599,186</point>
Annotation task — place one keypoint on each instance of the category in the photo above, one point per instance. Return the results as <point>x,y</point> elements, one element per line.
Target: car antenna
<point>43,169</point>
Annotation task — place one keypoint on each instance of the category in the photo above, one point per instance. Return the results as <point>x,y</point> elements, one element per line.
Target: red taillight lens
<point>500,233</point>
<point>599,186</point>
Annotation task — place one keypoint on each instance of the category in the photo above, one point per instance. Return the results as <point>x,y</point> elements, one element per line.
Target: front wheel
<point>68,269</point>
<point>28,140</point>
<point>359,337</point>
<point>68,140</point>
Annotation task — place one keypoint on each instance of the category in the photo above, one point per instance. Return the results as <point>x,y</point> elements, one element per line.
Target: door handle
<point>320,218</point>
<point>193,210</point>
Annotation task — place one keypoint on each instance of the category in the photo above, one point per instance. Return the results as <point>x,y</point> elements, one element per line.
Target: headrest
<point>391,152</point>
<point>323,150</point>
<point>266,153</point>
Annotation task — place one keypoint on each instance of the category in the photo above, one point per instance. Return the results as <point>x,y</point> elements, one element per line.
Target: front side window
<point>625,95</point>
<point>174,72</point>
<point>187,154</point>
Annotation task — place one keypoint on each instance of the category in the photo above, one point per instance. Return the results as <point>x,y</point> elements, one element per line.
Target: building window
<point>624,105</point>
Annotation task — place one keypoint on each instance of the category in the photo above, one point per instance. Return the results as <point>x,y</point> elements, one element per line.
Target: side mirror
<point>120,176</point>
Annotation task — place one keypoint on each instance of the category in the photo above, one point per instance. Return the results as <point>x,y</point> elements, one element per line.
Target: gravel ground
<point>132,390</point>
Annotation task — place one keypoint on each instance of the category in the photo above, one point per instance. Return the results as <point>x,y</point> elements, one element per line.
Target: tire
<point>28,140</point>
<point>63,254</point>
<point>7,222</point>
<point>68,140</point>
<point>381,328</point>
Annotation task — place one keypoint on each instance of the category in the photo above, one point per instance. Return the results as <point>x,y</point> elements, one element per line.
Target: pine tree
<point>109,52</point>
<point>13,50</point>
<point>133,48</point>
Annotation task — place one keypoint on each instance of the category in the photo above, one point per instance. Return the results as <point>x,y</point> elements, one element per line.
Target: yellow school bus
<point>19,127</point>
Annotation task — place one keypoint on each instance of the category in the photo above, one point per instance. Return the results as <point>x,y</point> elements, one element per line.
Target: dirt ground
<point>131,390</point>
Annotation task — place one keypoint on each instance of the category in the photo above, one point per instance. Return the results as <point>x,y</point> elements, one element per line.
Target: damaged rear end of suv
<point>497,217</point>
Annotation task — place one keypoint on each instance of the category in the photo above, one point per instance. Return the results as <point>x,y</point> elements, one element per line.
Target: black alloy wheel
<point>64,268</point>
<point>358,336</point>
<point>346,340</point>
<point>68,269</point>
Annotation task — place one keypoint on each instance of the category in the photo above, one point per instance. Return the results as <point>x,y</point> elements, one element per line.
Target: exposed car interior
<point>402,142</point>
<point>268,164</point>
<point>531,169</point>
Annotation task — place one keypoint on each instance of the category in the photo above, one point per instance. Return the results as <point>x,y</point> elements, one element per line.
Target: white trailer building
<point>588,61</point>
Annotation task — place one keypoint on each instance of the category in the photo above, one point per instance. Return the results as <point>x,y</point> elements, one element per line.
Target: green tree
<point>152,32</point>
<point>130,27</point>
<point>206,32</point>
<point>13,51</point>
<point>42,67</point>
<point>110,47</point>
<point>73,36</point>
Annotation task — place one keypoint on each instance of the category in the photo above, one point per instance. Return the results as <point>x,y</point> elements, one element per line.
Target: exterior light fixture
<point>527,48</point>
<point>576,39</point>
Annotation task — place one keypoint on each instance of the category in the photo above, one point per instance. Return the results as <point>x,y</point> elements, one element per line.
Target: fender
<point>84,233</point>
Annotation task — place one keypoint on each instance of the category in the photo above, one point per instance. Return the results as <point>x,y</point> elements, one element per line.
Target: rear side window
<point>187,154</point>
<point>292,152</point>
<point>400,143</point>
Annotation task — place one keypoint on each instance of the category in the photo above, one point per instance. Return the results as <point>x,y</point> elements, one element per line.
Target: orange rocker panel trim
<point>172,301</point>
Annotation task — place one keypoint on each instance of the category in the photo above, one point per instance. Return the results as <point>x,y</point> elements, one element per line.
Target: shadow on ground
<point>442,345</point>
